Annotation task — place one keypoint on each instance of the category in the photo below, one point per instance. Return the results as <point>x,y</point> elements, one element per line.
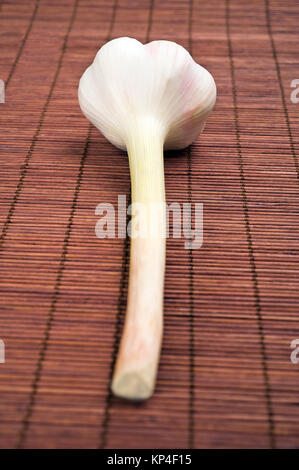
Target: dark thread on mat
<point>117,335</point>
<point>283,99</point>
<point>150,21</point>
<point>121,297</point>
<point>42,353</point>
<point>44,346</point>
<point>24,40</point>
<point>250,244</point>
<point>24,167</point>
<point>191,280</point>
<point>191,322</point>
<point>112,22</point>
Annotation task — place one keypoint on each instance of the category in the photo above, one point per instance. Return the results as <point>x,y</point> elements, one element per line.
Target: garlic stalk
<point>145,98</point>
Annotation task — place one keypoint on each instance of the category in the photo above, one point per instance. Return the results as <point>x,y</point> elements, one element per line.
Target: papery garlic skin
<point>159,81</point>
<point>145,98</point>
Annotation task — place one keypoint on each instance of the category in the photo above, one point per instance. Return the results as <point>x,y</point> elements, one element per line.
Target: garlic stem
<point>137,362</point>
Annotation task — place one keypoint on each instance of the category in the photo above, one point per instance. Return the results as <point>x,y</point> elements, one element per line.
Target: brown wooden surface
<point>231,307</point>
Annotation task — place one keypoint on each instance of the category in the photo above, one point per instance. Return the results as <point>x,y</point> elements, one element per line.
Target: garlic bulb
<point>145,98</point>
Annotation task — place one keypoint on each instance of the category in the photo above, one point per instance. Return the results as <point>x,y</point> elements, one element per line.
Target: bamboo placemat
<point>231,307</point>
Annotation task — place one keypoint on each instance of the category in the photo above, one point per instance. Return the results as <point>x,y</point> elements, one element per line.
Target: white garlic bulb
<point>145,98</point>
<point>159,81</point>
